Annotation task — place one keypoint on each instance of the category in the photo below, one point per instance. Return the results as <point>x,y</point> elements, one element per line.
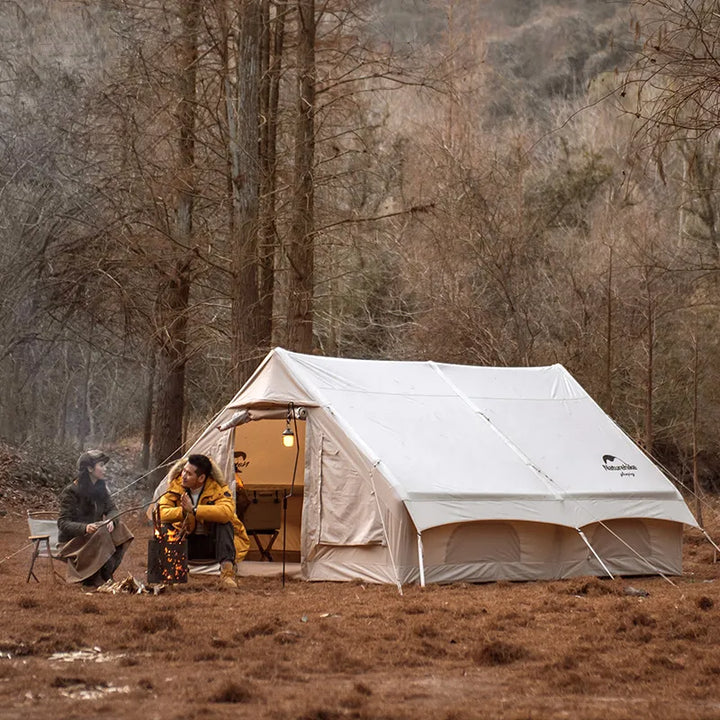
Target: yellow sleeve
<point>170,510</point>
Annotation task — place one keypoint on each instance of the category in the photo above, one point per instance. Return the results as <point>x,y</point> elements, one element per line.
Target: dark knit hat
<point>91,458</point>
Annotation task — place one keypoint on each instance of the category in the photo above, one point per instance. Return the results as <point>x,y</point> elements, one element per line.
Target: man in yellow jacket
<point>199,502</point>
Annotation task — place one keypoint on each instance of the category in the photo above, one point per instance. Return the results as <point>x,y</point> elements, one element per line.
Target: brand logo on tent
<point>615,464</point>
<point>241,460</point>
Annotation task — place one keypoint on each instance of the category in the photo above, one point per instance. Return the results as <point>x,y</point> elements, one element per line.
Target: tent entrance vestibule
<point>273,478</point>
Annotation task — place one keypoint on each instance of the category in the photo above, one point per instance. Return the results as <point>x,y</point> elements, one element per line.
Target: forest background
<point>186,184</point>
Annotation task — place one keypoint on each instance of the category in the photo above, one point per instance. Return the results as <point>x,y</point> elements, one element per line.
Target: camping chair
<point>43,534</point>
<point>262,519</point>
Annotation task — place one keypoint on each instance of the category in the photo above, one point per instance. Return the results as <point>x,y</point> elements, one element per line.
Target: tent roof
<point>461,443</point>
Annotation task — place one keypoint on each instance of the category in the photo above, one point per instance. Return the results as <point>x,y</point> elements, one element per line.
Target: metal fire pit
<point>167,561</point>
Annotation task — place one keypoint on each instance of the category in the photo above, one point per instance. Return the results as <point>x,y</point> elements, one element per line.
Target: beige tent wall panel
<point>659,542</point>
<point>268,463</point>
<point>348,509</point>
<point>341,507</point>
<point>491,551</point>
<point>401,532</point>
<point>331,563</point>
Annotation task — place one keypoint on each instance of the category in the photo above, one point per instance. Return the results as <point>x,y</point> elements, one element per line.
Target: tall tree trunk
<point>172,306</point>
<point>301,241</point>
<point>649,371</point>
<point>245,161</point>
<point>149,395</point>
<point>174,291</point>
<point>84,429</point>
<point>609,345</point>
<point>273,40</point>
<point>696,380</point>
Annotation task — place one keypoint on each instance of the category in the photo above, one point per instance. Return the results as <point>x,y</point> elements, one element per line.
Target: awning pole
<point>421,562</point>
<point>597,557</point>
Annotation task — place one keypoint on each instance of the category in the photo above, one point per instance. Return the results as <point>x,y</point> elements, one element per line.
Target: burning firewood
<point>130,586</point>
<point>167,554</point>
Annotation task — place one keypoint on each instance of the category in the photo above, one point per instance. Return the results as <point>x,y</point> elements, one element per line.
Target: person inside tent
<point>198,502</point>
<point>92,540</point>
<point>242,499</point>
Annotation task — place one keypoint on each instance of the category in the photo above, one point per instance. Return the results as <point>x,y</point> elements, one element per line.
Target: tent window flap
<point>348,511</point>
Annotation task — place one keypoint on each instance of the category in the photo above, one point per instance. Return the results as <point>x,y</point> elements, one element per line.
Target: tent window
<point>348,511</point>
<point>633,532</point>
<point>483,542</point>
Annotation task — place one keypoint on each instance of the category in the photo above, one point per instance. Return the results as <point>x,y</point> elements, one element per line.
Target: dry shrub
<point>692,627</point>
<point>554,605</point>
<point>574,682</point>
<point>433,651</point>
<point>90,608</point>
<point>321,714</point>
<point>641,619</point>
<point>49,644</point>
<point>362,689</point>
<point>27,602</point>
<point>470,613</point>
<point>591,587</point>
<point>515,619</point>
<point>415,610</point>
<point>340,661</point>
<point>459,585</point>
<point>231,692</point>
<point>263,628</point>
<point>62,681</point>
<point>286,637</point>
<point>352,702</point>
<point>566,662</point>
<point>426,630</point>
<point>497,652</point>
<point>705,603</point>
<point>157,623</point>
<point>207,656</point>
<point>667,662</point>
<point>7,671</point>
<point>710,668</point>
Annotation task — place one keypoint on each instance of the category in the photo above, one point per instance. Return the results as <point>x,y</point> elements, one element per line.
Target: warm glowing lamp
<point>288,437</point>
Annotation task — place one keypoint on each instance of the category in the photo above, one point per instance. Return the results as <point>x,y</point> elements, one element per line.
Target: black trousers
<point>218,544</point>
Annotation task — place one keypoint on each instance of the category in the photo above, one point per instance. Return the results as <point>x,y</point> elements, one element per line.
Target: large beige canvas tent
<point>423,472</point>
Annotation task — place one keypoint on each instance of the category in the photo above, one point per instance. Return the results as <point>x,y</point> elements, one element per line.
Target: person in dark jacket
<point>93,540</point>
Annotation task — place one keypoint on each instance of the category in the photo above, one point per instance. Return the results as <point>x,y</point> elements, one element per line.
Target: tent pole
<point>286,495</point>
<point>421,561</point>
<point>592,550</point>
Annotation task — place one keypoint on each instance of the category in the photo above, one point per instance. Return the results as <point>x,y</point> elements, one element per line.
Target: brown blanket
<point>86,554</point>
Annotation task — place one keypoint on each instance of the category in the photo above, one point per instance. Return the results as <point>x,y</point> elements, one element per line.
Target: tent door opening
<point>264,470</point>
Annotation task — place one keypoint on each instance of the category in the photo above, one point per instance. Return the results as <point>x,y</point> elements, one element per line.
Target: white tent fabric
<point>418,470</point>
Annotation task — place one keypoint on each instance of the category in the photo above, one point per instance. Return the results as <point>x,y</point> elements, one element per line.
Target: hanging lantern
<point>288,437</point>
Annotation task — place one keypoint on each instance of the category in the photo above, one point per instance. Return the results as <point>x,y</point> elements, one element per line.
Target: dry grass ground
<point>567,649</point>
